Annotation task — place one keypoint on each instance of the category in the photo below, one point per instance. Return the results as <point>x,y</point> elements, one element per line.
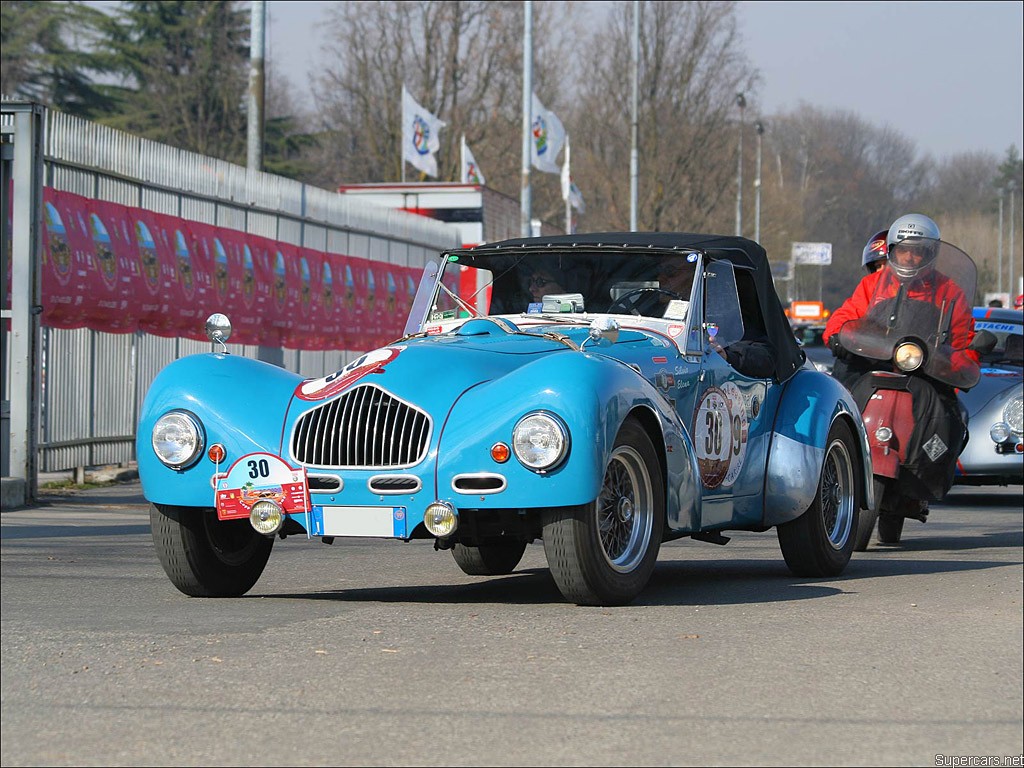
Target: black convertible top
<point>740,251</point>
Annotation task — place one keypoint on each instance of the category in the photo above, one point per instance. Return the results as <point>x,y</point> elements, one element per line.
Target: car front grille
<point>366,428</point>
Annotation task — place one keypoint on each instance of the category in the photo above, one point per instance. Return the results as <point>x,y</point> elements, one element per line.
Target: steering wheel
<point>631,301</point>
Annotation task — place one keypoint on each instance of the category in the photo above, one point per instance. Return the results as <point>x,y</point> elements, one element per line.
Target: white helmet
<point>917,229</point>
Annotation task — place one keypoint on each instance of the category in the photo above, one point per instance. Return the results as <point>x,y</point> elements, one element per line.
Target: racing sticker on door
<point>259,477</point>
<point>720,432</point>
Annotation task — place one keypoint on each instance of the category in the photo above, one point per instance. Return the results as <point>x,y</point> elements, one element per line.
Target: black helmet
<point>875,251</point>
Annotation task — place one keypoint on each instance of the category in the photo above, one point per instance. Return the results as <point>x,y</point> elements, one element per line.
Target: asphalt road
<point>384,653</point>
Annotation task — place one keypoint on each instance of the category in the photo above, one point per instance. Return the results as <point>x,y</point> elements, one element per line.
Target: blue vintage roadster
<point>602,393</point>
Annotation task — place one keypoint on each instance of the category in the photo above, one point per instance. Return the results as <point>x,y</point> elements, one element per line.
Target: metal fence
<point>93,383</point>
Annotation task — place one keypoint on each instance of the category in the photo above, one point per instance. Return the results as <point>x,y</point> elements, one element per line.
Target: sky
<point>948,75</point>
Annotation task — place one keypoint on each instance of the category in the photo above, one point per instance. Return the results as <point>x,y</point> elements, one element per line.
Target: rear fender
<point>809,407</point>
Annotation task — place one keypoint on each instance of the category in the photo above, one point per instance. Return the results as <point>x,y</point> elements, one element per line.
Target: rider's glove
<point>837,349</point>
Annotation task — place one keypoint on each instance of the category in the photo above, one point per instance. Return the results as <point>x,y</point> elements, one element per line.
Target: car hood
<point>993,382</point>
<point>433,371</point>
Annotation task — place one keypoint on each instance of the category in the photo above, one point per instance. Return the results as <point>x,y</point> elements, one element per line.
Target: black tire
<point>866,519</point>
<point>890,529</point>
<point>603,553</point>
<point>820,542</point>
<point>204,556</point>
<point>489,559</point>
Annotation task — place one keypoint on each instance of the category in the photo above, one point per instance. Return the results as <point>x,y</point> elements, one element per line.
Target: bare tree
<point>461,59</point>
<point>691,68</point>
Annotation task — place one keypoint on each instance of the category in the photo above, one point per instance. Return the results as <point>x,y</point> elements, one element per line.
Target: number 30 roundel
<point>720,433</point>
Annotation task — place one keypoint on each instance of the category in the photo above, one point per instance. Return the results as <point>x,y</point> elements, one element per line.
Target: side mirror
<point>984,342</point>
<point>604,331</point>
<point>218,329</point>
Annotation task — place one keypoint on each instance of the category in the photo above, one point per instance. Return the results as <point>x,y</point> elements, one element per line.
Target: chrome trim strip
<point>500,483</point>
<point>415,484</point>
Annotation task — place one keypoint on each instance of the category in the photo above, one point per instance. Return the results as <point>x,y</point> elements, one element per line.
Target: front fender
<point>593,395</point>
<point>241,404</point>
<point>811,404</point>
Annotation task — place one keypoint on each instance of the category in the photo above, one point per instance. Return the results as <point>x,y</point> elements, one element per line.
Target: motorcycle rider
<point>875,252</point>
<point>912,245</point>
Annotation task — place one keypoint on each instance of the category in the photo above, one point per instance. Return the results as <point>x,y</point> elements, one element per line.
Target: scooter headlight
<point>908,356</point>
<point>178,439</point>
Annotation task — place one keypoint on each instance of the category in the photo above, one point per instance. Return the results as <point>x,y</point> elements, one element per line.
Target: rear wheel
<point>603,553</point>
<point>489,559</point>
<point>204,556</point>
<point>866,519</point>
<point>820,541</point>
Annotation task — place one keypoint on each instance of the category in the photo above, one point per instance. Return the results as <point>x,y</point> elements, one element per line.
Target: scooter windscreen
<point>919,316</point>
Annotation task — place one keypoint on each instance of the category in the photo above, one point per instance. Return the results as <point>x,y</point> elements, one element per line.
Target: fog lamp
<point>1000,432</point>
<point>883,434</point>
<point>266,517</point>
<point>440,518</point>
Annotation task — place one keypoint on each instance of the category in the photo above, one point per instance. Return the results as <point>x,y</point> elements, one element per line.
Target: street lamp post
<point>759,129</point>
<point>1000,250</point>
<point>741,102</point>
<point>1013,227</point>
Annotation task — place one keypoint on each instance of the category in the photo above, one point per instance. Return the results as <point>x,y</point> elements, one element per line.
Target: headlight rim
<point>1014,403</point>
<point>915,349</point>
<point>562,428</point>
<point>196,423</point>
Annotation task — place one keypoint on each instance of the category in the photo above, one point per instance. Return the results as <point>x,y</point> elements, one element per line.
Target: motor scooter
<point>913,343</point>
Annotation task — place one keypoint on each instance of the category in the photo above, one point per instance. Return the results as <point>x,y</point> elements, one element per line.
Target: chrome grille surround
<point>364,428</point>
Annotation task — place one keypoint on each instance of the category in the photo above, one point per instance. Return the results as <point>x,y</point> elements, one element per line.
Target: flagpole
<point>462,160</point>
<point>568,190</point>
<point>401,137</point>
<point>525,202</point>
<point>634,154</point>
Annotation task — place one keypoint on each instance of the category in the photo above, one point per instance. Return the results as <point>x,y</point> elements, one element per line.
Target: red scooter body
<point>891,407</point>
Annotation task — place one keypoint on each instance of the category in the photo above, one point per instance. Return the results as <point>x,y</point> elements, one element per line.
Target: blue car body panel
<point>735,452</point>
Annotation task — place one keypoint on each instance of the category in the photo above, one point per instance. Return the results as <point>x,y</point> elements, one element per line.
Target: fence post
<point>23,127</point>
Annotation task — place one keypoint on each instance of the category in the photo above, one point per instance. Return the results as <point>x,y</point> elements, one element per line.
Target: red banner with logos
<point>118,269</point>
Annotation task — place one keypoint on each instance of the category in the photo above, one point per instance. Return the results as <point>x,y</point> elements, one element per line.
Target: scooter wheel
<point>890,529</point>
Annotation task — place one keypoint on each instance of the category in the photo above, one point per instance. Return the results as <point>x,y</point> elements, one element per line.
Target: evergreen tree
<point>184,73</point>
<point>47,56</point>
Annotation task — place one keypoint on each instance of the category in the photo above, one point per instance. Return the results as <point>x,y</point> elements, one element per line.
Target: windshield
<point>655,285</point>
<point>933,308</point>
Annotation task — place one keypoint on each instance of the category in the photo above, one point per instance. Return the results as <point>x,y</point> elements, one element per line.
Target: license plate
<point>377,522</point>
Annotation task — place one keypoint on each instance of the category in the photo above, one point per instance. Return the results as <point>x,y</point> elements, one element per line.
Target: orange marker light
<point>217,453</point>
<point>500,452</point>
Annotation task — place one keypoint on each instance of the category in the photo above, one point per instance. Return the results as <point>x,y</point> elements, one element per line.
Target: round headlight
<point>266,516</point>
<point>540,441</point>
<point>1013,414</point>
<point>1000,432</point>
<point>177,439</point>
<point>908,356</point>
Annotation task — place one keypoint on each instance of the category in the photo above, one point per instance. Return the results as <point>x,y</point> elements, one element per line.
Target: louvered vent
<point>366,427</point>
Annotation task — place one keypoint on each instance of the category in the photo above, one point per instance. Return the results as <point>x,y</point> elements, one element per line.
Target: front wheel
<point>489,559</point>
<point>603,553</point>
<point>866,519</point>
<point>820,541</point>
<point>204,556</point>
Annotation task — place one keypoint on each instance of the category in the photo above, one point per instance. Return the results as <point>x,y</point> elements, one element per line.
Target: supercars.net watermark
<point>1002,761</point>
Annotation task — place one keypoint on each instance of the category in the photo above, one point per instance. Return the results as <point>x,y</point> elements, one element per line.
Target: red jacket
<point>961,331</point>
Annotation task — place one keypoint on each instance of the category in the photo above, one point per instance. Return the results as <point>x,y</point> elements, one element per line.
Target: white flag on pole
<point>570,192</point>
<point>547,137</point>
<point>420,135</point>
<point>471,173</point>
